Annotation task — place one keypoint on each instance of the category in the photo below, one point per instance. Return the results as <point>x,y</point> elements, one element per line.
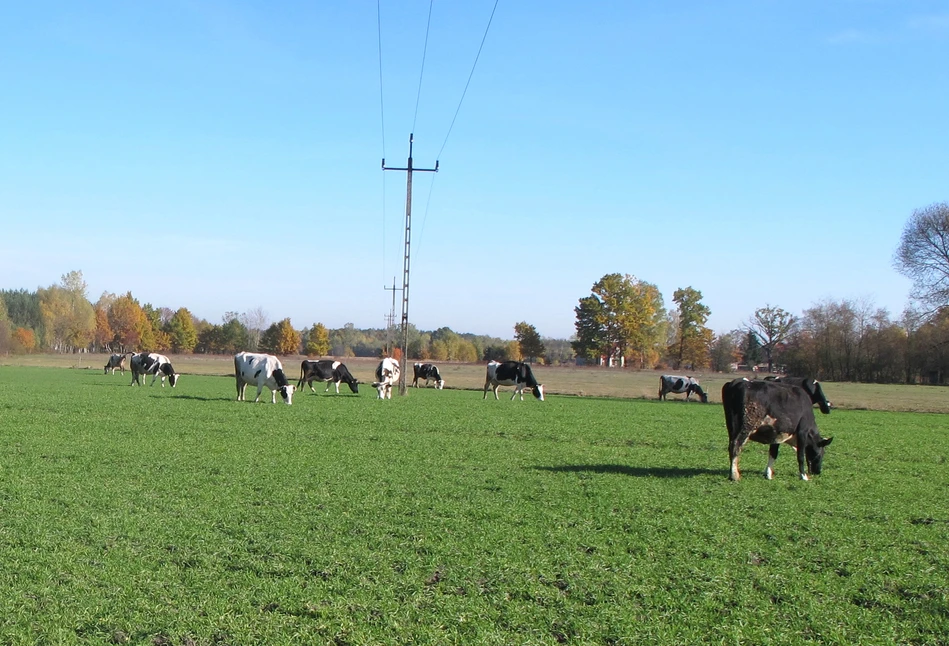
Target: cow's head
<point>697,389</point>
<point>539,391</point>
<point>814,453</point>
<point>439,384</point>
<point>169,372</point>
<point>287,393</point>
<point>353,385</point>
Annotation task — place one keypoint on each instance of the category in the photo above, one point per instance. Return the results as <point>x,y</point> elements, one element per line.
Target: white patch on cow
<point>336,364</point>
<point>260,369</point>
<point>387,374</point>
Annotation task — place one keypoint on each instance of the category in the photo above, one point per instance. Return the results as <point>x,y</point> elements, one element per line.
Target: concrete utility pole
<point>408,247</point>
<point>390,317</point>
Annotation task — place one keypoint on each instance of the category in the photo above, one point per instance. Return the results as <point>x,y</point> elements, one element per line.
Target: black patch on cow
<point>281,380</point>
<point>257,374</point>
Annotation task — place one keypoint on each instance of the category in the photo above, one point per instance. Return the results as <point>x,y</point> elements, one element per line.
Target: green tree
<point>529,341</point>
<point>692,339</point>
<point>772,325</point>
<point>181,330</point>
<point>318,341</point>
<point>591,341</point>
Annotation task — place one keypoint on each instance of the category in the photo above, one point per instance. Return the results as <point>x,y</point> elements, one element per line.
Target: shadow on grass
<point>638,472</point>
<point>200,399</point>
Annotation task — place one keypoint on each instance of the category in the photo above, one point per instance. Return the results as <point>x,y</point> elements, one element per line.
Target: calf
<point>679,385</point>
<point>512,373</point>
<point>775,414</point>
<point>387,375</point>
<point>262,370</point>
<point>428,372</point>
<point>116,362</point>
<point>156,365</point>
<point>326,370</point>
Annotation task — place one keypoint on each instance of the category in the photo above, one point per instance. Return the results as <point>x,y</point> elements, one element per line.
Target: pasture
<point>179,516</point>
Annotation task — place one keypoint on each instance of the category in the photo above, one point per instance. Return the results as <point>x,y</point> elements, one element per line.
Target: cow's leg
<point>772,456</point>
<point>495,388</point>
<point>801,462</point>
<point>260,389</point>
<point>337,387</point>
<point>735,445</point>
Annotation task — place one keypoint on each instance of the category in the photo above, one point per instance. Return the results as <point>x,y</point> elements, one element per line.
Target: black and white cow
<point>774,414</point>
<point>511,373</point>
<point>261,370</point>
<point>156,365</point>
<point>428,372</point>
<point>811,386</point>
<point>326,370</point>
<point>679,385</point>
<point>387,375</point>
<point>116,362</point>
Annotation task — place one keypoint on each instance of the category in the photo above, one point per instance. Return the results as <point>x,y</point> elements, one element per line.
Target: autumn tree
<point>128,323</point>
<point>281,338</point>
<point>692,340</point>
<point>529,341</point>
<point>630,317</point>
<point>317,341</point>
<point>180,328</point>
<point>68,317</point>
<point>771,325</point>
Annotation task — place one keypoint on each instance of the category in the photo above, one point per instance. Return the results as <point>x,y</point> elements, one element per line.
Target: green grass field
<point>179,516</point>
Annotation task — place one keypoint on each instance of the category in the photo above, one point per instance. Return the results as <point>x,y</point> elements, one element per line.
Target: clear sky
<point>224,156</point>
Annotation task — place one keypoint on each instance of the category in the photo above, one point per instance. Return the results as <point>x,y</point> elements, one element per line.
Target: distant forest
<point>621,323</point>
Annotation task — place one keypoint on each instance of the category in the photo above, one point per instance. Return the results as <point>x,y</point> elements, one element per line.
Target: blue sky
<point>224,156</point>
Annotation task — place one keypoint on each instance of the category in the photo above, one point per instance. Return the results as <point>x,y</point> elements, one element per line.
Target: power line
<point>438,156</point>
<point>418,96</point>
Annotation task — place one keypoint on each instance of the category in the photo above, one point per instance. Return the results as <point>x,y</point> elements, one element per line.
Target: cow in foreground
<point>512,373</point>
<point>774,414</point>
<point>261,370</point>
<point>679,385</point>
<point>811,386</point>
<point>428,372</point>
<point>387,375</point>
<point>116,362</point>
<point>156,365</point>
<point>326,370</point>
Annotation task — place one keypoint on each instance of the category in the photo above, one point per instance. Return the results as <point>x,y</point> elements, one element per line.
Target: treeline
<point>60,318</point>
<point>623,322</point>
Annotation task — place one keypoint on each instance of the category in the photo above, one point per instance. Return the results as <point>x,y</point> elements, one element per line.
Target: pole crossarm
<point>409,169</point>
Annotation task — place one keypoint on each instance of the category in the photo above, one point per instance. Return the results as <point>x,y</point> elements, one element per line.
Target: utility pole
<point>405,266</point>
<point>390,318</point>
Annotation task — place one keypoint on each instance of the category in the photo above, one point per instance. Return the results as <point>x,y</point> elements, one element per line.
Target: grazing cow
<point>116,362</point>
<point>261,370</point>
<point>811,387</point>
<point>326,370</point>
<point>387,375</point>
<point>679,385</point>
<point>512,373</point>
<point>775,414</point>
<point>428,372</point>
<point>156,365</point>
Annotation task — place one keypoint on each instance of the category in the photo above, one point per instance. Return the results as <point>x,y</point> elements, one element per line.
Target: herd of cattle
<point>773,411</point>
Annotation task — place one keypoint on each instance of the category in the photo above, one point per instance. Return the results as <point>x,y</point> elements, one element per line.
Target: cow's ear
<point>826,441</point>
